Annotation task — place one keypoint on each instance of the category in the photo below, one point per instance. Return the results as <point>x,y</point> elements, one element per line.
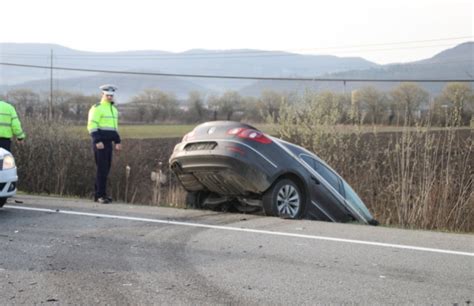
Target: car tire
<point>3,201</point>
<point>374,222</point>
<point>284,199</point>
<point>195,199</point>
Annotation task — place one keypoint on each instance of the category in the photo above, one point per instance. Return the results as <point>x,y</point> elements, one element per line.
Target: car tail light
<point>250,134</point>
<point>234,131</point>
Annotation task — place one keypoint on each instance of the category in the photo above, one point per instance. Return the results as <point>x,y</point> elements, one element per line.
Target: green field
<point>169,131</point>
<point>144,131</point>
<point>152,131</point>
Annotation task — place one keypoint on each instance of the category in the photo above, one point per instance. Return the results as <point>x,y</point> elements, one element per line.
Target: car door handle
<point>315,180</point>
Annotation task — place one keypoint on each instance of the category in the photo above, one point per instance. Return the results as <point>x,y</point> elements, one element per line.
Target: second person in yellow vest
<point>102,125</point>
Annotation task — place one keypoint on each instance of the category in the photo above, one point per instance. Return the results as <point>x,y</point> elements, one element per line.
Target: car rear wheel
<point>284,199</point>
<point>3,201</point>
<point>195,199</point>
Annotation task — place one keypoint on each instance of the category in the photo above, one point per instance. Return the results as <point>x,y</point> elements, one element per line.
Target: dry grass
<point>415,178</point>
<point>55,161</point>
<point>140,131</point>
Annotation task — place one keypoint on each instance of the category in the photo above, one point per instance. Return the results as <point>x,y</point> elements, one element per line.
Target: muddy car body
<point>231,162</point>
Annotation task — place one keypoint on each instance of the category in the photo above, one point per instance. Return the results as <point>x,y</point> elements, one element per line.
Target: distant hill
<point>457,62</point>
<point>463,53</point>
<point>454,63</point>
<point>209,62</point>
<point>39,54</point>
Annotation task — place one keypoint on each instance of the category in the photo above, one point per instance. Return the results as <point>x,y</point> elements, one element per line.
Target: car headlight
<point>8,162</point>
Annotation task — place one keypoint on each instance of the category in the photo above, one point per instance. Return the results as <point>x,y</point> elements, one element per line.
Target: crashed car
<point>8,176</point>
<point>222,162</point>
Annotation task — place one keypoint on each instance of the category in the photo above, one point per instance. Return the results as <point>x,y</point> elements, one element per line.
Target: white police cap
<point>108,89</point>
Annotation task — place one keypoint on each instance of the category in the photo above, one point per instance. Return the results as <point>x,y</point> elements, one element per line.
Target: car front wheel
<point>284,199</point>
<point>3,201</point>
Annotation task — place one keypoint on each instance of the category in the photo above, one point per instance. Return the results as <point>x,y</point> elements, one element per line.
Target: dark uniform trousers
<point>5,143</point>
<point>103,160</point>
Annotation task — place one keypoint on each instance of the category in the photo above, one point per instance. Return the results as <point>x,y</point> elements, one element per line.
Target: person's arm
<point>117,139</point>
<point>16,126</point>
<point>93,124</point>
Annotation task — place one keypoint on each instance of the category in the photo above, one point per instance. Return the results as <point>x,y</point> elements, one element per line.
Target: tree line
<point>406,104</point>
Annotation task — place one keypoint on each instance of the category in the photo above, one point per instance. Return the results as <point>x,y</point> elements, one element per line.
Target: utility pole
<point>50,108</point>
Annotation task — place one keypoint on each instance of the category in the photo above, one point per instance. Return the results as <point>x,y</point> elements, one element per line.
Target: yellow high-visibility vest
<point>9,123</point>
<point>102,122</point>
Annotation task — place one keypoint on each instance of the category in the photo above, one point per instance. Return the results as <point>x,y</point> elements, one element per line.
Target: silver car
<point>225,162</point>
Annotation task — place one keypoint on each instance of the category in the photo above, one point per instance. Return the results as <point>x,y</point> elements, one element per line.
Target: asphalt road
<point>64,251</point>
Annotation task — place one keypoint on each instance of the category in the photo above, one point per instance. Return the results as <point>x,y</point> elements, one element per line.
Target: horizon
<point>381,32</point>
<point>241,51</point>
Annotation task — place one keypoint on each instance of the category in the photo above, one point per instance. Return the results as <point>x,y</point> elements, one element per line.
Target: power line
<point>50,104</point>
<point>238,77</point>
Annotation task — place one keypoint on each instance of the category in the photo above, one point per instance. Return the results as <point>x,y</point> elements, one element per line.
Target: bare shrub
<point>417,178</point>
<point>55,161</point>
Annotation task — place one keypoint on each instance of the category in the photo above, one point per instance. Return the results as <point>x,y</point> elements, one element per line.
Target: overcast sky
<point>381,31</point>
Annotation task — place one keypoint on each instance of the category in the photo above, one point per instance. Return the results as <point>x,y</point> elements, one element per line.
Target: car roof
<point>225,123</point>
<point>298,150</point>
<point>295,149</point>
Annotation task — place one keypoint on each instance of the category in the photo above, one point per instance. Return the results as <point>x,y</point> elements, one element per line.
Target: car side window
<point>309,160</point>
<point>327,174</point>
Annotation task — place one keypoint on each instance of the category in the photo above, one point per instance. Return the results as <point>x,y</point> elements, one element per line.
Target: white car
<point>8,176</point>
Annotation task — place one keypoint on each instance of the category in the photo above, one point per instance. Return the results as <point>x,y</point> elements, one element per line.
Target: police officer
<point>9,125</point>
<point>103,127</point>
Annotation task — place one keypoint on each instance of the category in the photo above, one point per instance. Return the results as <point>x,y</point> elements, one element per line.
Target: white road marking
<point>248,230</point>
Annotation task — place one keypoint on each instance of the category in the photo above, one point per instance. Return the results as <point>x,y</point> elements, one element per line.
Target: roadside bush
<point>55,161</point>
<point>417,178</point>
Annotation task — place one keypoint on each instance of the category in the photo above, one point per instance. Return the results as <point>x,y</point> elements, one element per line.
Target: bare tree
<point>226,105</point>
<point>252,111</point>
<point>270,102</point>
<point>373,104</point>
<point>406,99</point>
<point>25,100</point>
<point>197,112</point>
<point>460,98</point>
<point>158,104</point>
